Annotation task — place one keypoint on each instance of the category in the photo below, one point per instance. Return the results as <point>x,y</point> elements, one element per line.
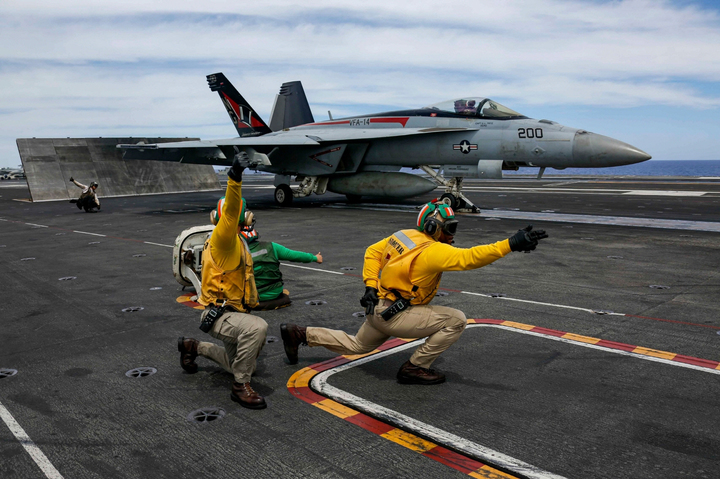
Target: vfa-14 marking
<point>363,155</point>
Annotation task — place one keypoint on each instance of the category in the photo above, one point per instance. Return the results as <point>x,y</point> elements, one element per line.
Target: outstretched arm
<point>286,254</point>
<point>439,257</point>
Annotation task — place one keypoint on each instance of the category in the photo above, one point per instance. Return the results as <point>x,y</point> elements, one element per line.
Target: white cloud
<point>84,68</point>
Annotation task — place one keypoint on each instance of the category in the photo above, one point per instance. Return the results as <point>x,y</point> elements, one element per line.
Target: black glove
<point>236,170</point>
<point>369,300</point>
<point>71,179</point>
<point>526,239</point>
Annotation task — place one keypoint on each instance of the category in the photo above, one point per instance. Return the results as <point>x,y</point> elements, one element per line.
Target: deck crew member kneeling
<point>397,301</point>
<point>228,293</point>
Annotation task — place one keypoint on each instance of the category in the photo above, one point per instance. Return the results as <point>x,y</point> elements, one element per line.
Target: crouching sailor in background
<point>88,198</point>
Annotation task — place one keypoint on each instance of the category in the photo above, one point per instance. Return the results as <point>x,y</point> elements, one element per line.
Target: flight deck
<point>597,355</point>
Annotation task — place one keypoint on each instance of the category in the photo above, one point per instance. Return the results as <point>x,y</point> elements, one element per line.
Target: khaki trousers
<point>442,326</point>
<point>243,336</point>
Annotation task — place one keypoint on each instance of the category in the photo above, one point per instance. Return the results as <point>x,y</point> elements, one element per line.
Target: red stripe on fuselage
<point>402,120</point>
<point>345,122</point>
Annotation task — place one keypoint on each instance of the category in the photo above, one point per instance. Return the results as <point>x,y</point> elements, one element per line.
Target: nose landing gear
<point>453,191</point>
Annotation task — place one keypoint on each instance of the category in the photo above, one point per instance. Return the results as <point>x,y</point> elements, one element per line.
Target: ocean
<point>698,168</point>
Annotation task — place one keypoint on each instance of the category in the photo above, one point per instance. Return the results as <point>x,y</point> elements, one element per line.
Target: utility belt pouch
<point>401,304</point>
<point>210,317</point>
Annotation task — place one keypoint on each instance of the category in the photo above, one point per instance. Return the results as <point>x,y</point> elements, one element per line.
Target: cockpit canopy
<point>476,107</point>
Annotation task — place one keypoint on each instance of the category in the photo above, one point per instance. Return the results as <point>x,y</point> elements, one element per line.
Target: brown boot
<point>293,336</point>
<point>411,374</point>
<point>244,394</point>
<point>188,353</point>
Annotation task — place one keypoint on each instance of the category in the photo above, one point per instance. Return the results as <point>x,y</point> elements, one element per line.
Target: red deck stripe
<point>488,321</point>
<point>614,345</point>
<point>696,361</point>
<point>453,459</point>
<point>370,424</point>
<point>549,332</point>
<point>333,363</point>
<point>306,394</point>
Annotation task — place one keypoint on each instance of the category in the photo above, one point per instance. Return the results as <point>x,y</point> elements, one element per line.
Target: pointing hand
<point>526,239</point>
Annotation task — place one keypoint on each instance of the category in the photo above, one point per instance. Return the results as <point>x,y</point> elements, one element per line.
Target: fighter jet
<point>362,155</point>
<point>12,173</point>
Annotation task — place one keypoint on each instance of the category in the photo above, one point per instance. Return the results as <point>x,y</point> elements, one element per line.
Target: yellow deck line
<point>654,352</point>
<point>411,441</point>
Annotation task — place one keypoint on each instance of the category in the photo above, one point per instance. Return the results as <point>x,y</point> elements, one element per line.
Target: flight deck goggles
<point>437,216</point>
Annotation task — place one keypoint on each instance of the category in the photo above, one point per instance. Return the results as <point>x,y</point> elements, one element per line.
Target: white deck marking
<point>593,311</point>
<point>484,454</point>
<point>406,423</point>
<point>541,303</point>
<point>665,193</point>
<point>37,455</point>
<point>39,226</point>
<point>312,269</point>
<point>595,346</point>
<point>158,244</point>
<point>86,233</point>
<point>587,191</point>
<point>645,222</point>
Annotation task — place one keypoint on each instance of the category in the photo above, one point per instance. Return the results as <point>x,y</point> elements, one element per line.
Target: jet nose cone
<point>600,151</point>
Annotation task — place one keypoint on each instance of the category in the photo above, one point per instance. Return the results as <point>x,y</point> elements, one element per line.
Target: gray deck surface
<point>569,410</point>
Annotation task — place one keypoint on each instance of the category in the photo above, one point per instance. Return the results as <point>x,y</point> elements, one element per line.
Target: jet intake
<point>375,183</point>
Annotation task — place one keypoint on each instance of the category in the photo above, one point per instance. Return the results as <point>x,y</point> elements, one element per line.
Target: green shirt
<point>266,266</point>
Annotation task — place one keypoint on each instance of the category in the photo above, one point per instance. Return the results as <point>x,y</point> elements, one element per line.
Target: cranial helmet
<point>249,233</point>
<point>246,218</point>
<point>435,218</point>
<point>93,184</point>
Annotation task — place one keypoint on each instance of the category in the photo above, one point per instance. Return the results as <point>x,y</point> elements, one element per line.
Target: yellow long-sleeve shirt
<point>227,272</point>
<point>225,245</point>
<point>427,266</point>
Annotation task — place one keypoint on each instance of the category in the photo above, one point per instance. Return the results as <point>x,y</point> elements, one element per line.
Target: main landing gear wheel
<point>283,195</point>
<point>453,201</point>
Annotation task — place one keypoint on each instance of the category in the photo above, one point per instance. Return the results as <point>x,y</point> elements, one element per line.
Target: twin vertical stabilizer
<point>243,116</point>
<point>291,107</point>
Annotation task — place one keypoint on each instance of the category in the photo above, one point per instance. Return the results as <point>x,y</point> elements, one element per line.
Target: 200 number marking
<point>530,133</point>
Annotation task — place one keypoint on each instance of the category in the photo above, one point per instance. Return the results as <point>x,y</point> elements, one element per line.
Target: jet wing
<point>205,152</point>
<point>211,151</point>
<point>343,135</point>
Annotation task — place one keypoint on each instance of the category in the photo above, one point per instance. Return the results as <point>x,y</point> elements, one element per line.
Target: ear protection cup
<point>249,219</point>
<point>428,220</point>
<point>431,226</point>
<point>246,218</point>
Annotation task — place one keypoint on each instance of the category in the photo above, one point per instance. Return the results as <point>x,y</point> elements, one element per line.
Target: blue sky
<point>644,72</point>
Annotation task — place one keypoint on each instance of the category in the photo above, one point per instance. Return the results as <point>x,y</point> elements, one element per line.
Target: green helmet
<point>435,218</point>
<point>246,217</point>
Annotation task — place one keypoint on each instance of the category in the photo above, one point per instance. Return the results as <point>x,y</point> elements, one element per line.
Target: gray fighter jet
<point>362,156</point>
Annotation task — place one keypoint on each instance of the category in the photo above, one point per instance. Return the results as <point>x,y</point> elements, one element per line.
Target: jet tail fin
<point>291,107</point>
<point>246,120</point>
